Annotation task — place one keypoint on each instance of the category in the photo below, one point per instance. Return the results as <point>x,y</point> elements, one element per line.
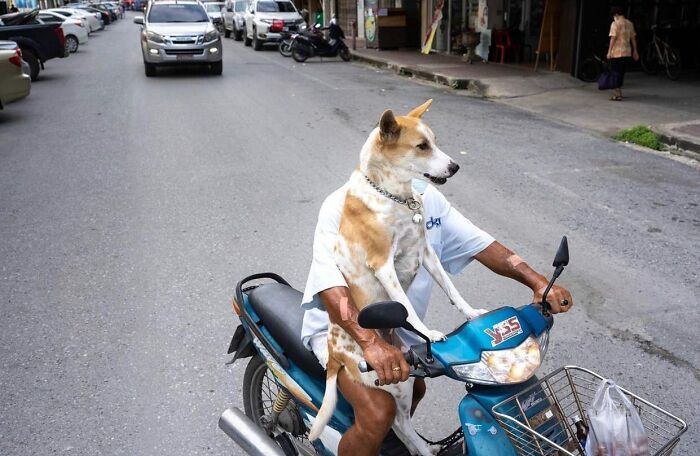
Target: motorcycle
<point>312,45</point>
<point>506,411</point>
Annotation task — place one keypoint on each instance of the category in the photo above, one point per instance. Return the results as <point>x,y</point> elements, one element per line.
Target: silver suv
<point>265,21</point>
<point>179,32</point>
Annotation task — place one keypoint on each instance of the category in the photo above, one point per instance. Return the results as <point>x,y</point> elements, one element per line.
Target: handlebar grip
<point>364,367</point>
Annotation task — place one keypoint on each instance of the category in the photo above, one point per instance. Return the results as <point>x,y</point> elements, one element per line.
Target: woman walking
<point>623,45</point>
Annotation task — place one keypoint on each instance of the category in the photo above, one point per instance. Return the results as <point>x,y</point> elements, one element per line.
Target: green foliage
<point>639,135</point>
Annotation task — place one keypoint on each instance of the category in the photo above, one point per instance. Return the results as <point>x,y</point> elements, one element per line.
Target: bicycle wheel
<point>650,59</point>
<point>590,70</point>
<point>673,64</point>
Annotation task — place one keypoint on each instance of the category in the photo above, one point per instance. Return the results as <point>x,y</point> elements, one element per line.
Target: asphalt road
<point>130,206</point>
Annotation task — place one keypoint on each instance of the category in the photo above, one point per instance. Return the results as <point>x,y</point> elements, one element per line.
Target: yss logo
<point>504,330</point>
<point>433,223</point>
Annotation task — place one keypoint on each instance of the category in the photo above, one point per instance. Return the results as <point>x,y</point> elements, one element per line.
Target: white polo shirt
<point>454,238</point>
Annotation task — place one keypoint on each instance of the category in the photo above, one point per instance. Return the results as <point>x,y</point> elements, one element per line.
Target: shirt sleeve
<point>461,240</point>
<point>324,272</point>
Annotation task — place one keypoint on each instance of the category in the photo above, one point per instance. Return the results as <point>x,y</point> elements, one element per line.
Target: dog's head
<point>405,148</point>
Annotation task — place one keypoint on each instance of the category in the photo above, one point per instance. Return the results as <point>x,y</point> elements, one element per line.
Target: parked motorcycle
<point>506,411</point>
<point>316,45</point>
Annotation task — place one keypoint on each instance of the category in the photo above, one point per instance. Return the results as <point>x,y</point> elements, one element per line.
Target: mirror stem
<point>544,304</point>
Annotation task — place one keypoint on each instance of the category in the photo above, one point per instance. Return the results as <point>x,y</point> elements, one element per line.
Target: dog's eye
<point>424,146</point>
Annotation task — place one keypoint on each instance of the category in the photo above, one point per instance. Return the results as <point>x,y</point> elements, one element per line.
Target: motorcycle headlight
<point>153,36</point>
<point>211,36</point>
<point>506,366</point>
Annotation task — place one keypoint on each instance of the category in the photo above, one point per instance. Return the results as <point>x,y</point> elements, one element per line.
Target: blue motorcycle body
<point>482,433</point>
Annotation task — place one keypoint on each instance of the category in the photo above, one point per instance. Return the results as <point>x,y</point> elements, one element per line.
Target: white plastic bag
<point>615,426</point>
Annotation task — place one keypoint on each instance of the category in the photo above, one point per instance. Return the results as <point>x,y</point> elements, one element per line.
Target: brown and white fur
<point>380,249</point>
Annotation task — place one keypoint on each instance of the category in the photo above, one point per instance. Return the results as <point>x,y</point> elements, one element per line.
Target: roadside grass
<point>640,135</point>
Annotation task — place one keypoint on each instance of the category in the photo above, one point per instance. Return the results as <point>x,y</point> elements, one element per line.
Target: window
<point>214,7</point>
<point>177,13</point>
<point>275,7</point>
<point>240,6</point>
<point>49,18</point>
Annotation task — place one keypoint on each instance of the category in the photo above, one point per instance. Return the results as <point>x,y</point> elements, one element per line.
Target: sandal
<point>616,98</point>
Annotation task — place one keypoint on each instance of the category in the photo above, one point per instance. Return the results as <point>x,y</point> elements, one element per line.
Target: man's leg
<point>374,414</point>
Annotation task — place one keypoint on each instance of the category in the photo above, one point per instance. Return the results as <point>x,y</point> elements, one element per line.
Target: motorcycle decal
<point>282,376</point>
<point>504,330</point>
<point>532,400</point>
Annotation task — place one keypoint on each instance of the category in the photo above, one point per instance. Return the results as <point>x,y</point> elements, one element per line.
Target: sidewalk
<point>670,107</point>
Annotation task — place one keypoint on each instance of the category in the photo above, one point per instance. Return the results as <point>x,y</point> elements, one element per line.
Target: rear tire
<point>257,44</point>
<point>345,54</point>
<point>71,44</point>
<point>150,69</point>
<point>238,35</point>
<point>590,70</point>
<point>29,57</point>
<point>298,54</point>
<point>227,33</point>
<point>650,60</point>
<point>217,68</point>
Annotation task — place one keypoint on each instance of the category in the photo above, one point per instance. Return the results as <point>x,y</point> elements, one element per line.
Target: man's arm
<point>379,354</point>
<point>503,261</point>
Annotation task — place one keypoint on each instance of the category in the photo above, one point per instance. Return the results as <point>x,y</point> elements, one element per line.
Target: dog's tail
<point>330,399</point>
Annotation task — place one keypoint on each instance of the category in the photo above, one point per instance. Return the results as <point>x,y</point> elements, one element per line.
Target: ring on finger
<point>396,369</point>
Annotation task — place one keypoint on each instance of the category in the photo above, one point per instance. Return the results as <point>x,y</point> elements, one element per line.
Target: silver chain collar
<point>412,203</point>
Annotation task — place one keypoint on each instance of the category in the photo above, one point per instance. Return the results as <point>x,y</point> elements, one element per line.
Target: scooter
<point>315,45</point>
<point>288,37</point>
<point>506,411</point>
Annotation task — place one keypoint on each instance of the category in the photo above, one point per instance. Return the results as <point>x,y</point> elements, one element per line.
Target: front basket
<point>557,399</point>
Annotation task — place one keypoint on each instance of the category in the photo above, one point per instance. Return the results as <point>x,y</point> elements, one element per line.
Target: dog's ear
<point>420,110</point>
<point>389,128</point>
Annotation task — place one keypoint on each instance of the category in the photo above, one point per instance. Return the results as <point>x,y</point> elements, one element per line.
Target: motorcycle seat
<point>279,308</point>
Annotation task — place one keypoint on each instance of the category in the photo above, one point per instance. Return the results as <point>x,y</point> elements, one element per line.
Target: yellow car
<point>14,84</point>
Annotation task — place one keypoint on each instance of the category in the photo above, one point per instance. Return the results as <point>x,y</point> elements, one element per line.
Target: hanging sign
<point>430,35</point>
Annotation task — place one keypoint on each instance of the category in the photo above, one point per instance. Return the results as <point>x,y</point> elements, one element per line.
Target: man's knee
<point>374,420</point>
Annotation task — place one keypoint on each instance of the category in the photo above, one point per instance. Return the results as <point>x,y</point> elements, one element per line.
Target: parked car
<point>14,84</point>
<point>106,17</point>
<point>74,31</point>
<point>93,19</point>
<point>179,32</point>
<point>265,20</point>
<point>214,12</point>
<point>112,14</point>
<point>38,42</point>
<point>234,18</point>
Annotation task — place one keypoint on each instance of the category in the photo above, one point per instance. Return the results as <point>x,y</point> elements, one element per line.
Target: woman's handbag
<point>608,80</point>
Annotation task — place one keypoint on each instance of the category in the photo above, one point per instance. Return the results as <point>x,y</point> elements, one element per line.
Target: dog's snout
<point>452,168</point>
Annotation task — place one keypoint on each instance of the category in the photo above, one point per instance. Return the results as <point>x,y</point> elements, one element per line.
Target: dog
<point>381,244</point>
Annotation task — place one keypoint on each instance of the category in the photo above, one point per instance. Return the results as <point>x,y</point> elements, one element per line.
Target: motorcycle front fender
<point>482,434</point>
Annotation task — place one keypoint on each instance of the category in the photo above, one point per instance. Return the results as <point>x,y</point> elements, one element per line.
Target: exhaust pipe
<point>247,435</point>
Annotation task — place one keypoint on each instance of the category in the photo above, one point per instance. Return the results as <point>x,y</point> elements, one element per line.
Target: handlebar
<point>364,367</point>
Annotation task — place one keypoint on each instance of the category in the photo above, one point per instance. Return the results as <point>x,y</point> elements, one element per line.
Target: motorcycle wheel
<point>286,48</point>
<point>590,70</point>
<point>299,54</point>
<point>345,54</point>
<point>673,64</point>
<point>259,392</point>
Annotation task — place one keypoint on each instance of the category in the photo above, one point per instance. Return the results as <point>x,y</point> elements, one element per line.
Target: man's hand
<point>559,298</point>
<point>387,361</point>
<point>635,55</point>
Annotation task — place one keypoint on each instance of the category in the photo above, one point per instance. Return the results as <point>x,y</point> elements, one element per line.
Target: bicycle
<point>591,68</point>
<point>660,53</point>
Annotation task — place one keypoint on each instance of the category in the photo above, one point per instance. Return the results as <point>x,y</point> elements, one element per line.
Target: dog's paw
<point>436,336</point>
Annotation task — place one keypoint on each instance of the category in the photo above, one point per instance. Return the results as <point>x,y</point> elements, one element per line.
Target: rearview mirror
<point>383,315</point>
<point>138,20</point>
<point>562,256</point>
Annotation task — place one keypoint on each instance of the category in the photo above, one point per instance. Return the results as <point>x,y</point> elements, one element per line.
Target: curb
<point>683,144</point>
<point>417,72</point>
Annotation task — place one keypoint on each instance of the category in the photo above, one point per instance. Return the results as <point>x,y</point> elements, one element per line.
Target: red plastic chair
<point>502,43</point>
